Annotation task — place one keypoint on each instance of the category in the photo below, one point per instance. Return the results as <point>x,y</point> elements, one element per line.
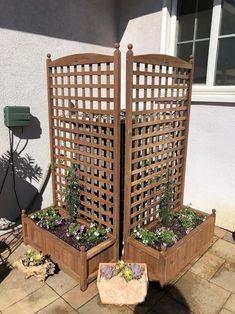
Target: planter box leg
<point>83,278</point>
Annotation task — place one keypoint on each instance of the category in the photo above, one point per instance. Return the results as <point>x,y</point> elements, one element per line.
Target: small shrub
<point>145,236</point>
<point>166,236</point>
<point>188,218</point>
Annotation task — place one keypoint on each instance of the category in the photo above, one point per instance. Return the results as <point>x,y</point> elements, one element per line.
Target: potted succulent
<point>122,283</point>
<point>35,264</point>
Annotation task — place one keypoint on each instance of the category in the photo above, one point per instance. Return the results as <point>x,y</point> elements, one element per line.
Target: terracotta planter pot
<point>117,291</point>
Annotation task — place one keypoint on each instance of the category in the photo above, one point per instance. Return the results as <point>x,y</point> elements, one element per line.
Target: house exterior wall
<point>29,30</point>
<point>210,169</point>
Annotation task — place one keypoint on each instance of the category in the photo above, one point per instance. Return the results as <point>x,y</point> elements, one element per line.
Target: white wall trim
<point>213,93</point>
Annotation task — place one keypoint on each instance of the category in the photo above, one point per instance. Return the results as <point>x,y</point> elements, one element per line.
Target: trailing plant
<point>89,234</point>
<point>125,270</point>
<point>72,190</point>
<point>146,236</point>
<point>161,236</point>
<point>188,218</point>
<point>48,219</point>
<point>166,236</point>
<point>166,202</point>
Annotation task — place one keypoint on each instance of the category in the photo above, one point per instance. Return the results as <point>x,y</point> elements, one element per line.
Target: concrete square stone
<point>154,294</point>
<point>33,302</point>
<point>225,311</point>
<point>15,287</point>
<point>76,298</point>
<point>219,232</point>
<point>224,249</point>
<point>168,305</point>
<point>59,306</point>
<point>229,237</point>
<point>95,306</point>
<point>225,278</point>
<point>207,265</point>
<point>230,304</point>
<point>198,294</point>
<point>61,282</point>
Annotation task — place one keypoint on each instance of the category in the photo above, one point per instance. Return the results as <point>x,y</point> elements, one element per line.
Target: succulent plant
<point>137,271</point>
<point>107,271</point>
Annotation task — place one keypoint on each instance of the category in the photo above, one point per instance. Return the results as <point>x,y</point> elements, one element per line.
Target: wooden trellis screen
<point>158,95</point>
<point>84,117</point>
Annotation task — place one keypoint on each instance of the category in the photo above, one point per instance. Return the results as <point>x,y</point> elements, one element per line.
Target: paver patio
<point>206,287</point>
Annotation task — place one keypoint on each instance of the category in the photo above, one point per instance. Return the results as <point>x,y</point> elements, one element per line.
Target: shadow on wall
<point>76,20</point>
<point>167,300</point>
<point>26,170</point>
<point>100,22</point>
<point>131,9</point>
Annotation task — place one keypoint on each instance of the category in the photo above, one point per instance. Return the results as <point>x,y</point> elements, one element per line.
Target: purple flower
<point>82,228</point>
<point>137,271</point>
<point>107,271</point>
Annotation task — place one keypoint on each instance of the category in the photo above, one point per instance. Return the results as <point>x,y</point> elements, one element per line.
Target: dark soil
<point>61,230</point>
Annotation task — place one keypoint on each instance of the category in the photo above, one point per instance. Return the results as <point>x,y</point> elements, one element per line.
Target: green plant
<point>166,202</point>
<point>48,219</point>
<point>89,234</point>
<point>145,236</point>
<point>166,236</point>
<point>33,258</point>
<point>188,218</point>
<point>125,270</point>
<point>72,190</point>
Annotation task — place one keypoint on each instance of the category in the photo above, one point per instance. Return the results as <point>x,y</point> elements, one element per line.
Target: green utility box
<point>16,116</point>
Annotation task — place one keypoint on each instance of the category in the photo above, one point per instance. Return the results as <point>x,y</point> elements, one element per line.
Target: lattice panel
<point>84,122</point>
<point>158,104</point>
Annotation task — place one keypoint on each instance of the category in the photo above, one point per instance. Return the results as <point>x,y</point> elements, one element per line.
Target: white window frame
<point>201,92</point>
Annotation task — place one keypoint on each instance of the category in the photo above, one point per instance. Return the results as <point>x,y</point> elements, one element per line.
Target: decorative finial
<point>49,56</point>
<point>130,46</point>
<point>191,57</point>
<point>116,45</point>
<point>213,211</point>
<point>23,212</point>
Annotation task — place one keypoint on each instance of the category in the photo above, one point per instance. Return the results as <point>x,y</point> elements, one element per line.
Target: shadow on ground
<point>159,301</point>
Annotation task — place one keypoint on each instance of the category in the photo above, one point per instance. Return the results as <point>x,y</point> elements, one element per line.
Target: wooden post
<point>117,128</point>
<point>84,274</point>
<point>127,180</point>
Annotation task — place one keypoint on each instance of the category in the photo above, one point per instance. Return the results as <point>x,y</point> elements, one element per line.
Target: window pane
<point>225,71</point>
<point>187,11</point>
<point>204,18</point>
<point>184,51</point>
<point>228,18</point>
<point>201,56</point>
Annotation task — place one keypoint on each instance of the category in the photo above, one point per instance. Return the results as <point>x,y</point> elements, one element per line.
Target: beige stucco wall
<point>210,176</point>
<point>29,29</point>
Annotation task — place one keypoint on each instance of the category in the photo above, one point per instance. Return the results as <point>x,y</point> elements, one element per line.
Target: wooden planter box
<point>117,291</point>
<point>81,265</point>
<point>165,266</point>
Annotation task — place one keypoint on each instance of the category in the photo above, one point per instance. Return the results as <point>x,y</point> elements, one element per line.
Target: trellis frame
<point>84,125</point>
<point>158,99</point>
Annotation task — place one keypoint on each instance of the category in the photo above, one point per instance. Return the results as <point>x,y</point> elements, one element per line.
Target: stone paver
<point>95,306</point>
<point>224,250</point>
<point>59,306</point>
<point>168,305</point>
<point>225,278</point>
<point>229,237</point>
<point>225,311</point>
<point>230,304</point>
<point>61,282</point>
<point>33,302</point>
<point>76,298</point>
<point>14,288</point>
<point>207,265</point>
<point>219,232</point>
<point>200,295</point>
<point>155,293</point>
